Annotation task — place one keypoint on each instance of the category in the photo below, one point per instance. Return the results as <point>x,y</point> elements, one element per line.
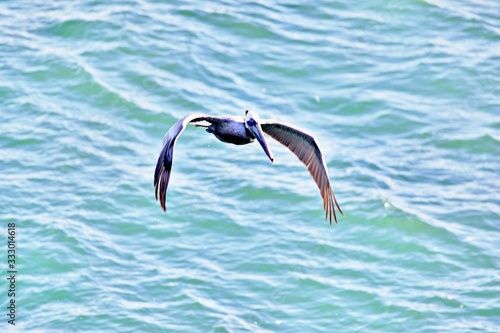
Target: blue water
<point>402,96</point>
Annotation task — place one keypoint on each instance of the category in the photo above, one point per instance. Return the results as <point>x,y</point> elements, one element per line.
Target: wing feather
<point>164,165</point>
<point>304,146</point>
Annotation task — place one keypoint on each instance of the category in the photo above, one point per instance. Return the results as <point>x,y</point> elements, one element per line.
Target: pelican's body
<point>244,130</point>
<point>231,130</point>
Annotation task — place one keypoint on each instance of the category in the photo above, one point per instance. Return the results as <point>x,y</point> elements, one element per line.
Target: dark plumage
<point>240,131</point>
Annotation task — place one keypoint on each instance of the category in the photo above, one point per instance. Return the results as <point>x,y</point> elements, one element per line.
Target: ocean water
<point>402,96</point>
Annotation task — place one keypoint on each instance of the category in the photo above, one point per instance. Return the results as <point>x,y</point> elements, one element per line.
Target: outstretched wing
<point>164,164</point>
<point>304,146</point>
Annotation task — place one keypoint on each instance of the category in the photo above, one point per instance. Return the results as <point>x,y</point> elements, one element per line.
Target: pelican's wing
<point>164,165</point>
<point>304,146</point>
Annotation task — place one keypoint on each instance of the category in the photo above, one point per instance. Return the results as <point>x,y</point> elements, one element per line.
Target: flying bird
<point>244,130</point>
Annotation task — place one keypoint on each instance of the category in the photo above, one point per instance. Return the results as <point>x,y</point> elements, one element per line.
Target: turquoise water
<point>403,97</point>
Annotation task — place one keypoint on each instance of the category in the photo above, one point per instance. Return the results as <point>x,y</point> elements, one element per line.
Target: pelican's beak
<point>256,130</point>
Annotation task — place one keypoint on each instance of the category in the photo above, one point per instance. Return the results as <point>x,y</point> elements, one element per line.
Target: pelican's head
<point>252,124</point>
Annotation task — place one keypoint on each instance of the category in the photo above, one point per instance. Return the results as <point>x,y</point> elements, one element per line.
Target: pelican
<point>244,130</point>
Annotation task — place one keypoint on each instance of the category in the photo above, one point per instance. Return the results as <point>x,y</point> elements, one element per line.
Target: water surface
<point>402,96</point>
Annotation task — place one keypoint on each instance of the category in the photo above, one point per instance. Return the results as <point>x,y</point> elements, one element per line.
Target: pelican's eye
<point>251,122</point>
